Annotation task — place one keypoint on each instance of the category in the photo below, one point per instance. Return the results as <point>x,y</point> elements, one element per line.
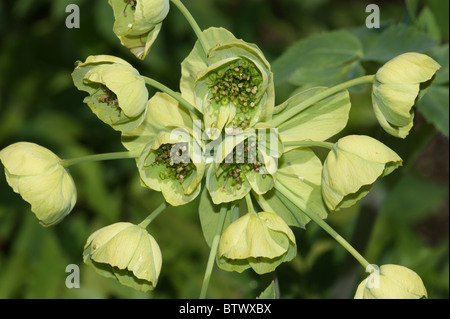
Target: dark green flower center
<point>238,83</point>
<point>242,160</point>
<point>108,97</point>
<point>175,158</point>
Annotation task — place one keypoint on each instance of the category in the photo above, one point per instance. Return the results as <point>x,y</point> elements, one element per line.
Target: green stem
<point>193,24</point>
<point>99,157</point>
<point>308,144</point>
<point>213,252</point>
<point>153,215</point>
<point>286,115</point>
<point>175,95</point>
<point>248,200</point>
<point>294,199</point>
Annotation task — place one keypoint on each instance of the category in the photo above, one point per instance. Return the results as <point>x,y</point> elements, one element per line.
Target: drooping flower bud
<point>117,92</point>
<point>259,241</point>
<point>392,282</point>
<point>352,166</point>
<point>38,176</point>
<point>125,252</point>
<point>397,87</point>
<point>138,23</point>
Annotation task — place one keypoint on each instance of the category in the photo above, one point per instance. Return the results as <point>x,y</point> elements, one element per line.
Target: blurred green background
<point>403,221</point>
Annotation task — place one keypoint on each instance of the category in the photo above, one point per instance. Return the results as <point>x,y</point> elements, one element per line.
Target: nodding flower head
<point>117,92</point>
<point>392,282</point>
<point>396,88</point>
<point>38,175</point>
<point>260,241</point>
<point>352,166</point>
<point>125,252</point>
<point>138,23</point>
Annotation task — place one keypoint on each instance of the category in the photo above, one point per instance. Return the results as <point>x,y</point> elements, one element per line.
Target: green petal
<point>411,67</point>
<point>163,113</point>
<point>197,62</point>
<point>300,172</point>
<point>222,192</point>
<point>140,45</point>
<point>209,215</point>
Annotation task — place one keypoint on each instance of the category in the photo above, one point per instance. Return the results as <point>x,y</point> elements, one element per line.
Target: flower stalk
<point>213,252</point>
<point>316,98</point>
<point>193,23</point>
<point>161,208</point>
<point>364,263</point>
<point>99,157</point>
<point>177,96</point>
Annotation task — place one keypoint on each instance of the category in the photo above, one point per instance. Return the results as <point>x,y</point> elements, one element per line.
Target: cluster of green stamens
<point>108,97</point>
<point>175,158</point>
<point>238,84</point>
<point>242,160</point>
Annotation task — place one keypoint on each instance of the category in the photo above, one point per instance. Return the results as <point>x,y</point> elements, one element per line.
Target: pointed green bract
<point>125,252</point>
<point>299,171</point>
<point>352,166</point>
<point>316,122</point>
<point>38,176</point>
<point>117,92</point>
<point>138,23</point>
<point>396,88</point>
<point>259,241</point>
<point>232,84</point>
<point>392,282</point>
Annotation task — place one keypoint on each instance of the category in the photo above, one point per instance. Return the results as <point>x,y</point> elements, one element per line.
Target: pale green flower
<point>38,176</point>
<point>392,282</point>
<point>138,23</point>
<point>172,163</point>
<point>352,166</point>
<point>232,85</point>
<point>125,252</point>
<point>396,88</point>
<point>117,92</point>
<point>259,241</point>
<point>244,162</point>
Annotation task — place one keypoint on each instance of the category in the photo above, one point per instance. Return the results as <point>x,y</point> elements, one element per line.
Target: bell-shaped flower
<point>172,163</point>
<point>260,241</point>
<point>244,162</point>
<point>392,282</point>
<point>138,23</point>
<point>117,92</point>
<point>232,85</point>
<point>38,176</point>
<point>352,166</point>
<point>125,252</point>
<point>397,87</point>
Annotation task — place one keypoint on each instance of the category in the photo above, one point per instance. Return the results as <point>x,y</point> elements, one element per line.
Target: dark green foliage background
<point>404,220</point>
